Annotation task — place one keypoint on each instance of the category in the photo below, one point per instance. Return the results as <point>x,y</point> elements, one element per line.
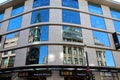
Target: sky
<point>2,1</point>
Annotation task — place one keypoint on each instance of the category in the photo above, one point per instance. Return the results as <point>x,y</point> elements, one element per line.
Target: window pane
<point>17,10</point>
<point>11,39</point>
<point>38,3</point>
<point>40,16</point>
<point>38,34</point>
<point>109,58</point>
<point>70,3</point>
<point>1,16</point>
<point>71,55</point>
<point>37,55</point>
<point>72,34</point>
<point>117,26</point>
<point>94,8</point>
<point>97,22</point>
<point>115,14</point>
<point>101,38</point>
<point>70,16</point>
<point>15,23</point>
<point>5,61</point>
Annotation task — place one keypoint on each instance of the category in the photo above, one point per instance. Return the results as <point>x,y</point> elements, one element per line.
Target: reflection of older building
<point>8,59</point>
<point>72,34</point>
<point>73,55</point>
<point>12,41</point>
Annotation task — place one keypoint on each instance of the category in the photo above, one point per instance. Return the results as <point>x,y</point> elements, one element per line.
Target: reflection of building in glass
<point>34,34</point>
<point>72,34</point>
<point>101,57</point>
<point>8,59</point>
<point>33,55</point>
<point>11,40</point>
<point>73,55</point>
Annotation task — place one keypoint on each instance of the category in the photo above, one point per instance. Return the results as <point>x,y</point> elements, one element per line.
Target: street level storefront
<point>65,72</point>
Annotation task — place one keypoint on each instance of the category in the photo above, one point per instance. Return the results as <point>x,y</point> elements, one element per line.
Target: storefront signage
<point>73,73</point>
<point>35,73</point>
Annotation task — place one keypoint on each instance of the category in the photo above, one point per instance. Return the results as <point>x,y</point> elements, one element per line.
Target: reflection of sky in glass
<point>70,3</point>
<point>12,35</point>
<point>44,16</point>
<point>95,9</point>
<point>117,26</point>
<point>102,38</point>
<point>17,10</point>
<point>97,22</point>
<point>118,38</point>
<point>109,58</point>
<point>15,23</point>
<point>1,16</point>
<point>70,16</point>
<point>38,3</point>
<point>115,14</point>
<point>43,54</point>
<point>44,33</point>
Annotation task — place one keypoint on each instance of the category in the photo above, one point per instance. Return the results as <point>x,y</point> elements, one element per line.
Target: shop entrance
<point>37,78</point>
<point>74,78</point>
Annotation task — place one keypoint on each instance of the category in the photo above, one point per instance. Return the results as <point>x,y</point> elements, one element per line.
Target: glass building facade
<point>42,33</point>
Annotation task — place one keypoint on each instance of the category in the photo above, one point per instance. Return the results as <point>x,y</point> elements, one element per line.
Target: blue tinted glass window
<point>11,39</point>
<point>38,3</point>
<point>118,37</point>
<point>94,9</point>
<point>70,16</point>
<point>40,16</point>
<point>115,14</point>
<point>37,55</point>
<point>38,33</point>
<point>72,34</point>
<point>1,16</point>
<point>15,23</point>
<point>43,56</point>
<point>70,3</point>
<point>101,38</point>
<point>97,22</point>
<point>17,10</point>
<point>117,26</point>
<point>109,58</point>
